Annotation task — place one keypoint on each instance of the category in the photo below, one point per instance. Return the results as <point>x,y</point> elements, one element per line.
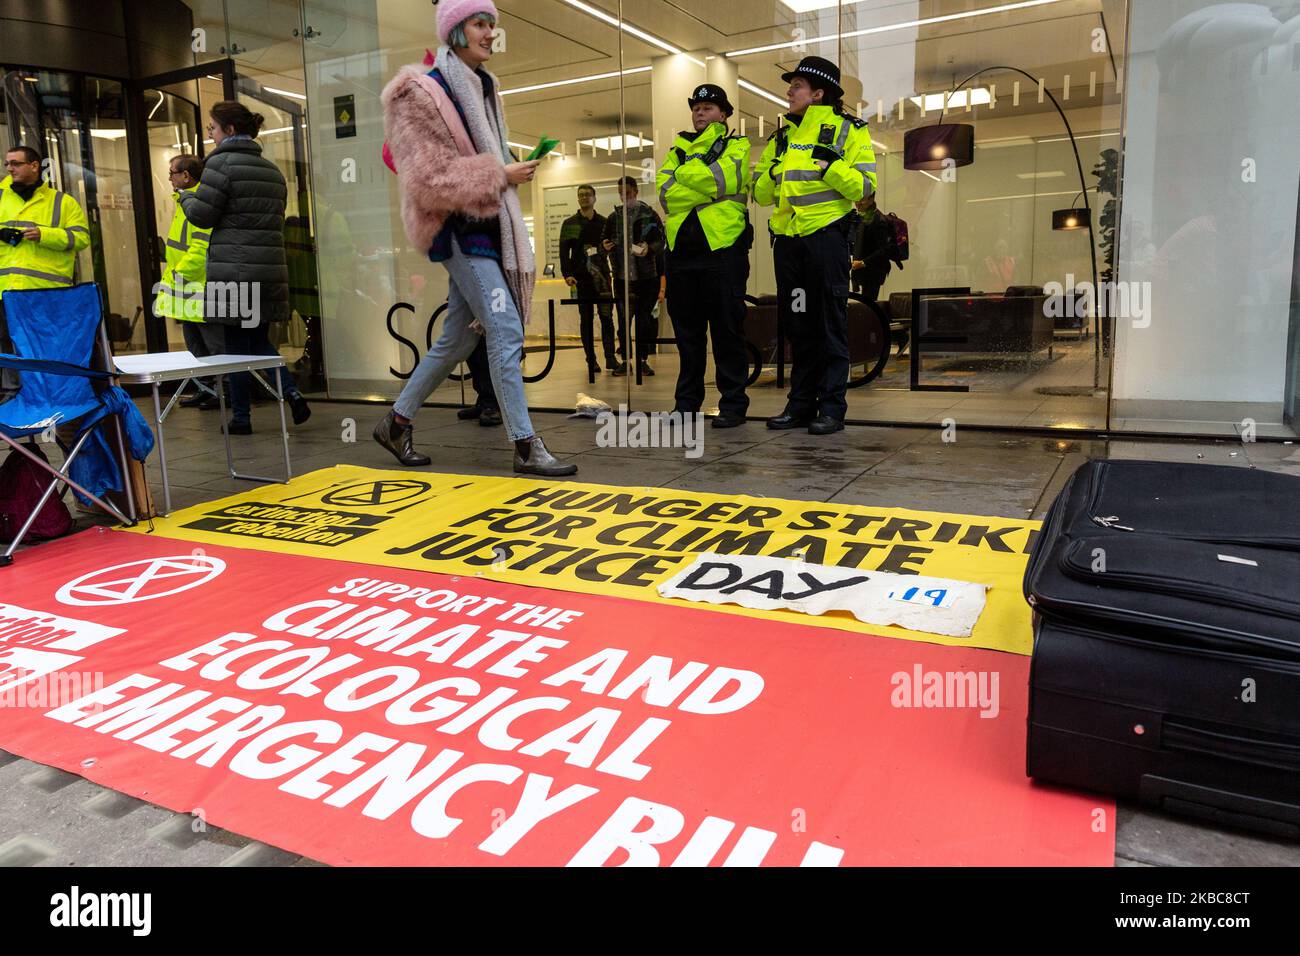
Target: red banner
<point>367,715</point>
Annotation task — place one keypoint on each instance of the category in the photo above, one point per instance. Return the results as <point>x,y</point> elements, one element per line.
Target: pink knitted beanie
<point>451,13</point>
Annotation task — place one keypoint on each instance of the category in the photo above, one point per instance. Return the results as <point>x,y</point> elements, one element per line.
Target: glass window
<point>1207,238</point>
<point>614,94</point>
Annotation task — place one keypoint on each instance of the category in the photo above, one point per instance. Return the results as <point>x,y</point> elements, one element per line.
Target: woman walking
<point>241,198</point>
<point>447,133</point>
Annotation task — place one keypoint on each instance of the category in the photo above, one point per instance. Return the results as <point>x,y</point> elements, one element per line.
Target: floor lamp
<point>946,145</point>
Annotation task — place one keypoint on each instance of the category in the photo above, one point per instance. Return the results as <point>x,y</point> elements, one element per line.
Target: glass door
<point>284,142</point>
<point>168,111</point>
<point>80,125</point>
<point>1291,398</point>
<point>266,42</point>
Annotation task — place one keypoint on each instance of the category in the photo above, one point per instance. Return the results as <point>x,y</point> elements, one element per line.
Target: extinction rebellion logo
<point>370,494</point>
<point>144,580</point>
<point>320,526</point>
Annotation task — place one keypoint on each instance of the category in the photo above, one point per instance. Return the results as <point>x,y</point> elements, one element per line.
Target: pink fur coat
<point>437,180</point>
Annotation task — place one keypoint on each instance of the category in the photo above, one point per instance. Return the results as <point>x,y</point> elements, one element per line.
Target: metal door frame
<point>146,230</point>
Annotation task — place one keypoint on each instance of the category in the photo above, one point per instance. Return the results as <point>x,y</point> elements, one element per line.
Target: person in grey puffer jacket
<point>241,198</point>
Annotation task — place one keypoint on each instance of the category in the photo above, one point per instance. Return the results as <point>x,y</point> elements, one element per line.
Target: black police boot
<point>399,439</point>
<point>786,421</point>
<point>825,425</point>
<point>728,420</point>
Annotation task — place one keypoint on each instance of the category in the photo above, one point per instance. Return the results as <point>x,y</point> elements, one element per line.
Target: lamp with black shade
<point>948,145</point>
<point>1068,220</point>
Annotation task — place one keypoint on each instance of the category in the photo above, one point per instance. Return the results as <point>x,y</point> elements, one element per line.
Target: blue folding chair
<point>54,332</point>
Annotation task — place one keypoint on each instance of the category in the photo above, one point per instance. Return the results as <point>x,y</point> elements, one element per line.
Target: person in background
<point>486,409</point>
<point>447,132</point>
<point>241,199</point>
<point>585,269</point>
<point>645,281</point>
<point>703,188</point>
<point>1000,268</point>
<point>304,297</point>
<point>813,170</point>
<point>44,230</point>
<point>180,293</point>
<point>872,246</point>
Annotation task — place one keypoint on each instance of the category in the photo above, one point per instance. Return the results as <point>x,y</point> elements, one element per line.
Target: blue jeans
<point>241,341</point>
<point>477,284</point>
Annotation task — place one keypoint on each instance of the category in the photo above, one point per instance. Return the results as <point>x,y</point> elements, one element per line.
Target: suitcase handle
<point>1220,806</point>
<point>1269,753</point>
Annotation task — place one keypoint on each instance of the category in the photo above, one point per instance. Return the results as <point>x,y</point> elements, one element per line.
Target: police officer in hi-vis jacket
<point>813,170</point>
<point>703,189</point>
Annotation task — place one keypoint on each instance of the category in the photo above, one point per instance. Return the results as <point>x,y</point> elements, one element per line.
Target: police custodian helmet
<point>709,93</point>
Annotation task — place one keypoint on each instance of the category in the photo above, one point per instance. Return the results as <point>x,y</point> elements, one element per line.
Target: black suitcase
<point>1166,663</point>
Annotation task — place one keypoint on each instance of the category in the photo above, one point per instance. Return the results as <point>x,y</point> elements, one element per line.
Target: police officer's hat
<point>708,93</point>
<point>820,69</point>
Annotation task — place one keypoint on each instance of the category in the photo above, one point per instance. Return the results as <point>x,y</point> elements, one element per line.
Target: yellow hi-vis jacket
<point>705,172</point>
<point>49,262</point>
<point>806,197</point>
<point>180,293</point>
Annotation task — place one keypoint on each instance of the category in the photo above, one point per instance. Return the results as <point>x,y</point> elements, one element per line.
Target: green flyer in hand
<point>545,146</point>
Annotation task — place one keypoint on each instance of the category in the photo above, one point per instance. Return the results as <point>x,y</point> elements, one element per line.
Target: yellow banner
<point>604,539</point>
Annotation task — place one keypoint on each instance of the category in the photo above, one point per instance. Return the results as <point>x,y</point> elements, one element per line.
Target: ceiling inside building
<point>891,49</point>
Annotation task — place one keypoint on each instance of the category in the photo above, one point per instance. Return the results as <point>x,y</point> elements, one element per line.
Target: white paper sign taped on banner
<point>918,603</point>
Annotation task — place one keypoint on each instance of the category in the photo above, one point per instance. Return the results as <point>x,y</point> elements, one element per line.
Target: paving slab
<point>924,494</point>
<point>50,817</point>
<point>736,477</point>
<point>962,462</point>
<point>1158,839</point>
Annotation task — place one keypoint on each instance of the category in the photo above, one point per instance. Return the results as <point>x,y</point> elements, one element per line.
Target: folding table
<point>154,368</point>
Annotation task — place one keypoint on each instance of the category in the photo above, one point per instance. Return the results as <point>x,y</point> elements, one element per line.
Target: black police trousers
<point>706,298</point>
<point>812,288</point>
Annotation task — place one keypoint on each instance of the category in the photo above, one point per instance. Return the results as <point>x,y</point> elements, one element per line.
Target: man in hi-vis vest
<point>180,293</point>
<point>41,232</point>
<point>704,191</point>
<point>813,170</point>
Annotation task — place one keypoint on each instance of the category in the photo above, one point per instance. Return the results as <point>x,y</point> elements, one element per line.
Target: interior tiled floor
<point>1005,394</point>
<point>50,817</point>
